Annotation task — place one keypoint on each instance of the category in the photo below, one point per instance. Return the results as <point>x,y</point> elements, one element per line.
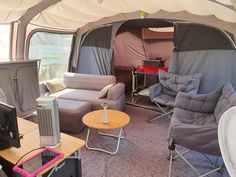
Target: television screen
<point>9,135</point>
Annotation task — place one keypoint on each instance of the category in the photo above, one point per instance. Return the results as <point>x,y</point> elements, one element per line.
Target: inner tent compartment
<point>122,47</point>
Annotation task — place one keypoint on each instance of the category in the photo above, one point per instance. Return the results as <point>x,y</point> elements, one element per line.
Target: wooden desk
<point>69,145</point>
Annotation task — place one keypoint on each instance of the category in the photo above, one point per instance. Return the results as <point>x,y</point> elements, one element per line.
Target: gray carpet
<point>142,154</point>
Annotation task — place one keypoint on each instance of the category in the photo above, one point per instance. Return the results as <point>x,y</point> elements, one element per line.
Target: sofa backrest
<point>173,83</point>
<point>87,81</point>
<point>226,101</point>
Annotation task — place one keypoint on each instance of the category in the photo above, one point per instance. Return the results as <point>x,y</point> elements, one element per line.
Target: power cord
<point>27,154</point>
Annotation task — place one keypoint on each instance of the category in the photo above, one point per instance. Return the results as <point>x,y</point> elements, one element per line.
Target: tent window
<point>54,51</point>
<point>5,30</point>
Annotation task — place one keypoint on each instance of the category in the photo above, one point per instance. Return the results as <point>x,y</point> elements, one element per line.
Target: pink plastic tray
<point>18,169</point>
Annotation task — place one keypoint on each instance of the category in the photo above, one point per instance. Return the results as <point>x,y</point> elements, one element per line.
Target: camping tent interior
<point>115,37</point>
<point>123,46</point>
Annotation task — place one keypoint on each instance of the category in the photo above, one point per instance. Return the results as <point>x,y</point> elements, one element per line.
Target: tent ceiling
<point>73,14</point>
<point>12,10</point>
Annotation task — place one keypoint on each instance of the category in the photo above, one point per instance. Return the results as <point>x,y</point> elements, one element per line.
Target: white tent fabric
<point>73,14</point>
<point>12,10</point>
<point>108,8</point>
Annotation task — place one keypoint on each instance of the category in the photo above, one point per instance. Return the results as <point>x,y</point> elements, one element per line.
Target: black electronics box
<point>157,62</point>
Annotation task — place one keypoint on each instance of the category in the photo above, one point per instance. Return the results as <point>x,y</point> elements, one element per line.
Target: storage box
<point>154,63</point>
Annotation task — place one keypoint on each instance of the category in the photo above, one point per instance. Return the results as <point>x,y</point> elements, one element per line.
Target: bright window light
<point>4,42</point>
<point>53,50</point>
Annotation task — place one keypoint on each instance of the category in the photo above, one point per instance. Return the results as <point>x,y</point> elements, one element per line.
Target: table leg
<point>111,135</point>
<point>133,83</point>
<point>103,150</point>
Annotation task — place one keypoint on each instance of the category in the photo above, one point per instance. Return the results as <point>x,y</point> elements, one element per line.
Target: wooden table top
<point>116,119</point>
<point>25,126</point>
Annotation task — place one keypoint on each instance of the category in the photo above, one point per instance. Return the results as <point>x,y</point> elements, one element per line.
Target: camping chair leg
<point>186,151</point>
<point>171,147</point>
<point>217,169</point>
<point>162,115</point>
<point>210,172</point>
<point>189,164</point>
<point>165,113</point>
<point>161,109</point>
<point>170,165</point>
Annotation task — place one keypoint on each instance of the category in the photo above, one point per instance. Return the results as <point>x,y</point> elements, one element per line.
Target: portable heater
<point>48,121</point>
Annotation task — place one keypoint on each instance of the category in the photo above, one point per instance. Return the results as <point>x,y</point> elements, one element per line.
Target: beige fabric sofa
<point>85,87</point>
<point>81,92</point>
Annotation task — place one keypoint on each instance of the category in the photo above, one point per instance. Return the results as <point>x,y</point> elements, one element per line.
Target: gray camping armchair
<point>164,92</point>
<point>194,124</point>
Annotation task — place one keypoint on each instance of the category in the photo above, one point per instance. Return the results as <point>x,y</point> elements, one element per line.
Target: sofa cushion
<point>54,85</point>
<point>87,81</point>
<point>104,91</point>
<point>226,101</point>
<point>77,94</point>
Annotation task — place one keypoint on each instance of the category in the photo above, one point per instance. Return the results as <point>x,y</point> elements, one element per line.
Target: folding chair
<point>194,124</point>
<point>164,92</point>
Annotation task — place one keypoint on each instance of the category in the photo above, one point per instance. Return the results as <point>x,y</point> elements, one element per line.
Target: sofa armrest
<point>154,90</point>
<point>204,103</point>
<point>116,91</point>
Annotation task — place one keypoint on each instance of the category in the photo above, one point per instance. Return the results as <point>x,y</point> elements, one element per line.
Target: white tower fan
<point>48,121</point>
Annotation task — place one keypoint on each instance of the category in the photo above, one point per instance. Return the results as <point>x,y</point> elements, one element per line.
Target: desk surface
<point>30,141</point>
<point>26,126</point>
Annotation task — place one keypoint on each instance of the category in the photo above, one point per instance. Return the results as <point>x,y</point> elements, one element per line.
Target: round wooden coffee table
<point>117,119</point>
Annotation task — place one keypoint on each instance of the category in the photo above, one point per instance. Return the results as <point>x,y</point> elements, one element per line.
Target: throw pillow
<point>55,85</point>
<point>104,91</point>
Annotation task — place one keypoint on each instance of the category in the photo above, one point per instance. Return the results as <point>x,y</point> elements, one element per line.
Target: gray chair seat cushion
<point>166,100</point>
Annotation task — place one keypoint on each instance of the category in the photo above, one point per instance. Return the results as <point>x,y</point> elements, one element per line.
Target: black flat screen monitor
<point>9,135</point>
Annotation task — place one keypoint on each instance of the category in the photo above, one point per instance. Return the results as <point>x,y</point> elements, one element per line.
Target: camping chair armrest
<point>203,103</point>
<point>154,90</point>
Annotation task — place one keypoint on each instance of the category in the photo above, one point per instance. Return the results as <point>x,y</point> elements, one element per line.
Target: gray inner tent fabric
<point>19,82</point>
<point>205,50</point>
<point>95,56</point>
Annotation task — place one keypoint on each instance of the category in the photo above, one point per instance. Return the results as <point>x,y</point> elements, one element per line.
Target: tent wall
<point>128,49</point>
<point>95,55</point>
<point>159,49</point>
<point>182,16</point>
<point>205,50</point>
